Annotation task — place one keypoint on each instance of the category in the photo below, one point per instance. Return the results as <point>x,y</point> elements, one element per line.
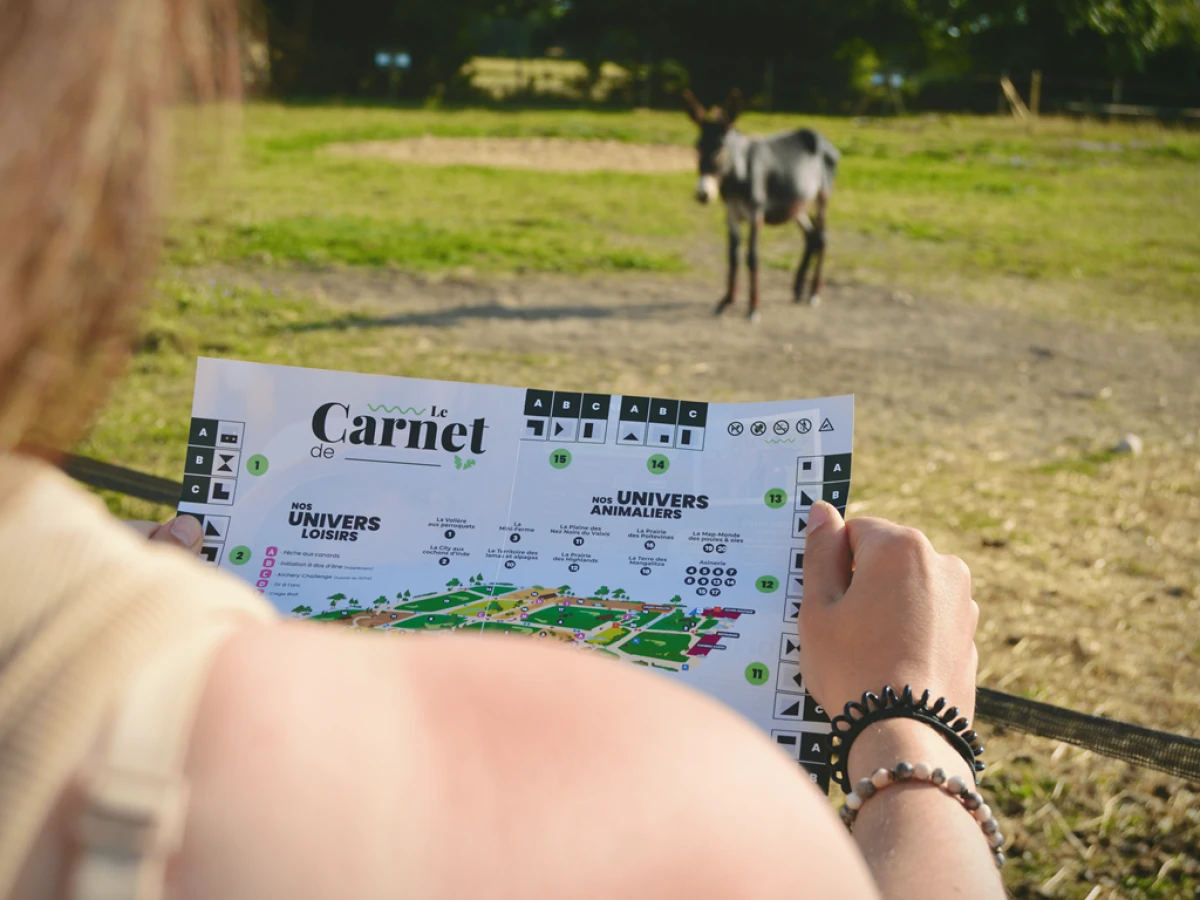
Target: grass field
<point>1103,213</point>
<point>1006,304</point>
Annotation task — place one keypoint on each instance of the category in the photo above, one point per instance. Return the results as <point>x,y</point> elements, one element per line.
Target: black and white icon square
<point>195,489</point>
<point>199,461</point>
<point>539,404</point>
<point>221,490</point>
<point>814,711</point>
<point>789,647</point>
<point>595,406</point>
<point>810,470</point>
<point>537,428</point>
<point>660,435</point>
<point>693,414</point>
<point>203,432</point>
<point>788,742</point>
<point>563,429</point>
<point>789,679</point>
<point>799,524</point>
<point>226,462</point>
<point>215,528</point>
<point>795,586</point>
<point>837,467</point>
<point>791,609</point>
<point>814,749</point>
<point>631,433</point>
<point>210,554</point>
<point>635,409</point>
<point>796,560</point>
<point>806,496</point>
<point>229,434</point>
<point>664,412</point>
<point>689,437</point>
<point>567,405</point>
<point>789,706</point>
<point>836,493</point>
<point>593,431</point>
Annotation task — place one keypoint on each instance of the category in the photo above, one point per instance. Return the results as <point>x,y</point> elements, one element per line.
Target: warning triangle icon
<point>827,425</point>
<point>793,710</point>
<point>210,530</point>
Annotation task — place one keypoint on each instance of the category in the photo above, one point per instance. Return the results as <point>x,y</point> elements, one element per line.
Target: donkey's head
<point>715,125</point>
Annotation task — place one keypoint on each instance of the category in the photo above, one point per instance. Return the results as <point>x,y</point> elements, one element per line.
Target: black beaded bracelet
<point>873,708</point>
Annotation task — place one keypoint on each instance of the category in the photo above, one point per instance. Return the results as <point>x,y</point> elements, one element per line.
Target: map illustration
<point>669,635</point>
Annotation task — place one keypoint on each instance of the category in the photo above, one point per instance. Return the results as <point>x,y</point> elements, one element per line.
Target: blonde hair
<point>83,93</point>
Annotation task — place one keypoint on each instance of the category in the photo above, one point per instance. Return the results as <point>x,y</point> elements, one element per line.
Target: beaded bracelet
<point>954,786</point>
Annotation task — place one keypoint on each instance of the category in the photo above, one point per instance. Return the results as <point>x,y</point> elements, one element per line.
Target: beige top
<point>85,603</point>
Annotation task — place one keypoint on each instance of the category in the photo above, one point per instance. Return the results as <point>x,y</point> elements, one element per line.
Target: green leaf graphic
<point>458,462</point>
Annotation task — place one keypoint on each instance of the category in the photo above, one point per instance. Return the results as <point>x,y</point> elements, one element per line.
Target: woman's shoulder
<point>60,545</point>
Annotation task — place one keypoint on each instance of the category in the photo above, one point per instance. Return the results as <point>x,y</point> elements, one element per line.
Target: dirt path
<point>1004,382</point>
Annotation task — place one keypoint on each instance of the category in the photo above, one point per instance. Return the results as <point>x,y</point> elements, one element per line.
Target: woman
<point>162,735</point>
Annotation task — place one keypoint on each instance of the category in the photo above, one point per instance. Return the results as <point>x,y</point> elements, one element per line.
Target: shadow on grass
<point>445,318</point>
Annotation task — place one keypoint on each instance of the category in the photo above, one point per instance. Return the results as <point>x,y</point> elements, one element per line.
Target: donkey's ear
<point>733,106</point>
<point>693,107</point>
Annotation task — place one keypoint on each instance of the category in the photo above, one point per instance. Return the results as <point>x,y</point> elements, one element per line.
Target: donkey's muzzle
<point>706,189</point>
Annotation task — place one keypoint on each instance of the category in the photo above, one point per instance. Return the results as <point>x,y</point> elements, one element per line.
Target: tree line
<point>821,55</point>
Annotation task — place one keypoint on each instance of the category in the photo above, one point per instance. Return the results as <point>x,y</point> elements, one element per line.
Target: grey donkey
<point>783,178</point>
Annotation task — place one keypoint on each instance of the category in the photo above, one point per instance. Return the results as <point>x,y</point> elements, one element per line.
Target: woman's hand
<point>882,607</point>
<point>182,531</point>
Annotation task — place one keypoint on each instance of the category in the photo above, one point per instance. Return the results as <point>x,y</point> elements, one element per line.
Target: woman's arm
<point>332,765</point>
<point>882,607</point>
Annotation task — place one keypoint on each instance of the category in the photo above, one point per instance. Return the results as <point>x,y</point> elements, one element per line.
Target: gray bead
<point>865,788</point>
<point>991,826</point>
<point>847,816</point>
<point>938,777</point>
<point>973,800</point>
<point>996,840</point>
<point>903,771</point>
<point>1000,858</point>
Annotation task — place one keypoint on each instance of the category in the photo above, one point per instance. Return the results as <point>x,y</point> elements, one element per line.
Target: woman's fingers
<point>182,531</point>
<point>826,555</point>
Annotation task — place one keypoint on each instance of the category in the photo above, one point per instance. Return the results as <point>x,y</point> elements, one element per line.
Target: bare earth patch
<point>545,154</point>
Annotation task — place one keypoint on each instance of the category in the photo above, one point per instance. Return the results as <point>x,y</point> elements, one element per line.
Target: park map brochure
<point>664,533</point>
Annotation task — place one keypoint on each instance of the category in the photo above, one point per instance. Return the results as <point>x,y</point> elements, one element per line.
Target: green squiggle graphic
<point>782,441</point>
<point>403,410</point>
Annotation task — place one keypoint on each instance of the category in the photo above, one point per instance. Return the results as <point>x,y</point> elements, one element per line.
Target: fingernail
<point>818,515</point>
<point>186,530</point>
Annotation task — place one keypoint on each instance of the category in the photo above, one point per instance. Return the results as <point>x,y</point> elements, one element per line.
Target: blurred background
<point>503,192</point>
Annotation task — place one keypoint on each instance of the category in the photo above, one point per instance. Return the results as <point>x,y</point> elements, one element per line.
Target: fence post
<point>1035,93</point>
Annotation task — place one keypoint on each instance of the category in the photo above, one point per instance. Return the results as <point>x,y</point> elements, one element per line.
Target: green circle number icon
<point>239,556</point>
<point>257,464</point>
<point>658,464</point>
<point>560,459</point>
<point>757,673</point>
<point>776,498</point>
<point>767,584</point>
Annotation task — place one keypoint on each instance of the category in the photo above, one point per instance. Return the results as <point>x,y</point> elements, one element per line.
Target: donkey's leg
<point>802,271</point>
<point>731,282</point>
<point>817,242</point>
<point>752,263</point>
